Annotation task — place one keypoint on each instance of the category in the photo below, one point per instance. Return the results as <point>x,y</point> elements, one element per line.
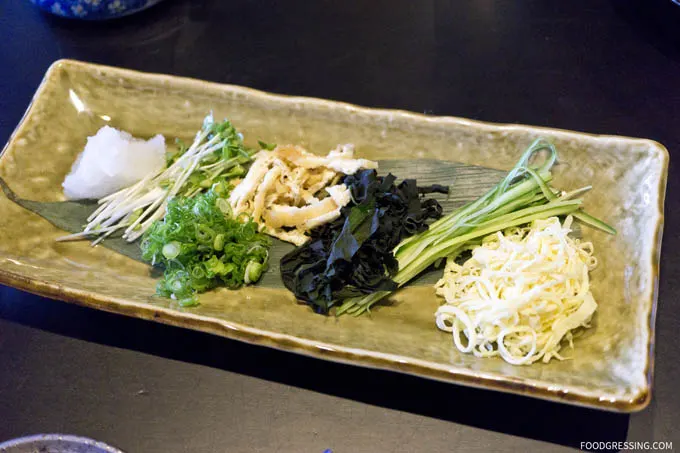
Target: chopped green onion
<point>171,250</point>
<point>191,301</point>
<point>204,234</point>
<point>200,248</point>
<point>224,206</point>
<point>218,243</point>
<point>253,272</point>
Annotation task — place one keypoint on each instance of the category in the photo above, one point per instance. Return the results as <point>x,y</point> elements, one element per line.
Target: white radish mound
<point>113,160</point>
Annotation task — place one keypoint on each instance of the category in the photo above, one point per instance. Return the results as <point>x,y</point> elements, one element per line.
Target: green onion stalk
<point>522,197</point>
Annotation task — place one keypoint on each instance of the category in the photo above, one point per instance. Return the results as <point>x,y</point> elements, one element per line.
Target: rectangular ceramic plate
<point>612,363</point>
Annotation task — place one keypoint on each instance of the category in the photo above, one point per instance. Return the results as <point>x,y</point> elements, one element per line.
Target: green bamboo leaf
<point>470,182</point>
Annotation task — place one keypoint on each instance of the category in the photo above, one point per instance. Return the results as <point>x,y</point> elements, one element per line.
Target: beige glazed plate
<point>612,362</point>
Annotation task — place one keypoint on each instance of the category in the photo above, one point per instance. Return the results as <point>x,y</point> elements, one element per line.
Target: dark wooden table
<point>597,66</point>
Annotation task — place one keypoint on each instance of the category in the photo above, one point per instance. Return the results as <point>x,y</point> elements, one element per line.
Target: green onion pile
<point>202,245</point>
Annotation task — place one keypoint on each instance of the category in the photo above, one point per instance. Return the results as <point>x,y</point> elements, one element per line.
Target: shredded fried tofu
<point>288,191</point>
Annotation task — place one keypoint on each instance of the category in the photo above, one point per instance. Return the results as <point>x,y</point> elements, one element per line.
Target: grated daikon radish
<point>521,293</point>
<point>113,160</point>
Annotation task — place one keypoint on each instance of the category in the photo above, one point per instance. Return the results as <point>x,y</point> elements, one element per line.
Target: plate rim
<point>51,437</point>
<point>336,353</point>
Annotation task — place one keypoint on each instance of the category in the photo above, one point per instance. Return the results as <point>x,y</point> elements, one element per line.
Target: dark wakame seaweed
<point>352,255</point>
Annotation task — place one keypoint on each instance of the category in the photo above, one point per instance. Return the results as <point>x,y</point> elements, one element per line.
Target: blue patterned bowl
<point>93,9</point>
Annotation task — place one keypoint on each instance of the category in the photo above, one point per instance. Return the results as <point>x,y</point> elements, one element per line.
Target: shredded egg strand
<point>520,294</point>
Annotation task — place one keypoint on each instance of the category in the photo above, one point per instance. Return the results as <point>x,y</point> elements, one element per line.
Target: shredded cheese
<point>520,294</point>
